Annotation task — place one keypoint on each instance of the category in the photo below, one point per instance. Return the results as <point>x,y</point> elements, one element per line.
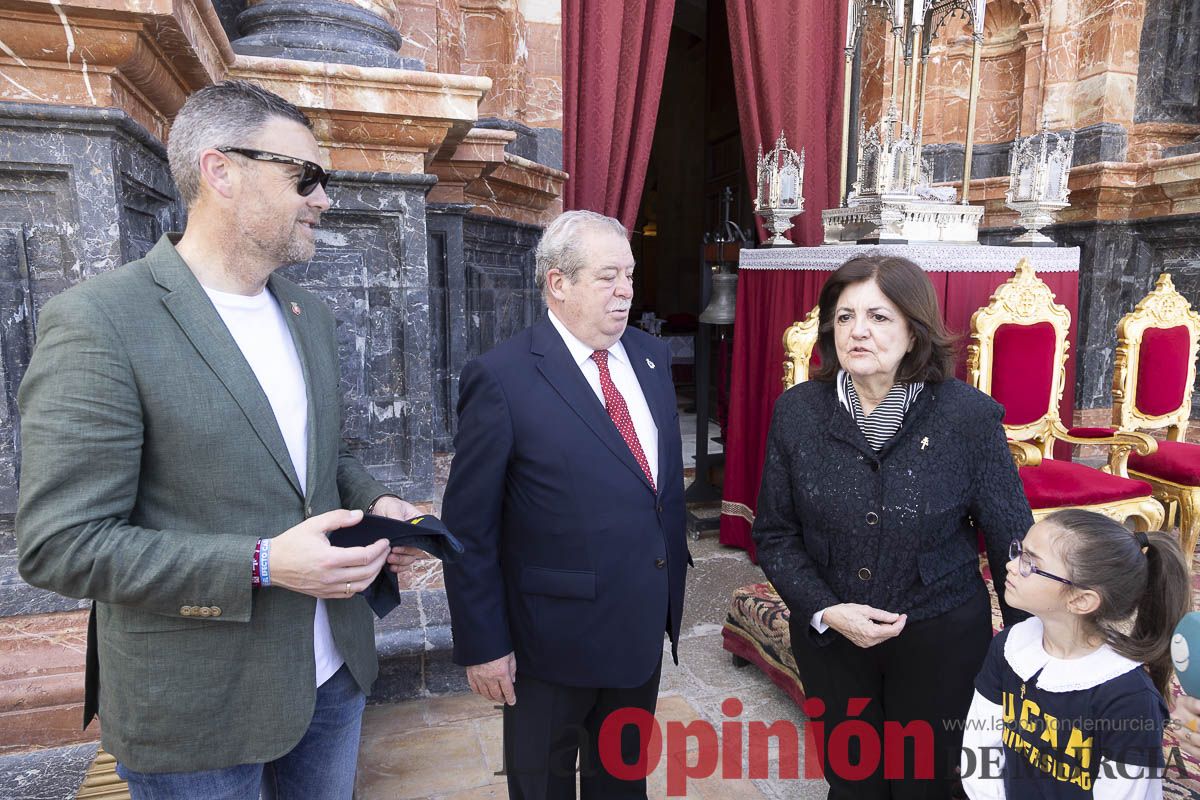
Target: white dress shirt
<point>625,379</point>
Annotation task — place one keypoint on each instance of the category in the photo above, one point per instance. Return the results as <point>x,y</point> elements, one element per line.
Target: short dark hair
<point>226,113</point>
<point>908,288</point>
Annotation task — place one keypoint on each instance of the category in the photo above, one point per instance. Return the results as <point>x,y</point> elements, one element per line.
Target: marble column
<point>328,31</point>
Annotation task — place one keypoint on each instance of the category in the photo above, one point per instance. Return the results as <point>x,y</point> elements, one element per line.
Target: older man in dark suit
<point>567,490</point>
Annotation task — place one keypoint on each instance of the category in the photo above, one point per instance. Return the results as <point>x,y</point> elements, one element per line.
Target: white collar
<point>580,352</point>
<point>1024,652</point>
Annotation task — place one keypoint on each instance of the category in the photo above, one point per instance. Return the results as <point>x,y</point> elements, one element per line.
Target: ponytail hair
<point>1156,585</point>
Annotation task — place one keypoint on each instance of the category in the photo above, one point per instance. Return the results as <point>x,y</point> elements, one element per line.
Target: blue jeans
<point>321,766</point>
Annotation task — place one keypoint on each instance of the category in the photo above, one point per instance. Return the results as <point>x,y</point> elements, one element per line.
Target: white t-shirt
<point>258,327</point>
<point>625,379</point>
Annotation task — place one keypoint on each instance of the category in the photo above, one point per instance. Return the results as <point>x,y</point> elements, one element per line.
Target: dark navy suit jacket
<point>572,560</point>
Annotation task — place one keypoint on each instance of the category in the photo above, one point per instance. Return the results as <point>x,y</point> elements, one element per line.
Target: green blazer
<point>151,462</point>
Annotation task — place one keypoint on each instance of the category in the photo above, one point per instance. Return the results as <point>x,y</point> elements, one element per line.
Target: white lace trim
<point>1024,653</point>
<point>931,257</point>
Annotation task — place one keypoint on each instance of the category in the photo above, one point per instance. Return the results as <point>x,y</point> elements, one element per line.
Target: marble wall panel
<point>370,267</point>
<point>543,103</point>
<point>451,37</point>
<point>1169,68</point>
<point>501,298</point>
<point>481,292</point>
<point>488,39</point>
<point>875,45</point>
<point>81,191</point>
<point>1003,79</point>
<point>419,24</point>
<point>448,333</point>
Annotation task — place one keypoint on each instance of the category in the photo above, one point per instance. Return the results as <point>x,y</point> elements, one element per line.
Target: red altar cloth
<point>778,286</point>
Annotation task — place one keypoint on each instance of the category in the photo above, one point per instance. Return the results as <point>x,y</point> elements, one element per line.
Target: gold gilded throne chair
<point>1018,355</point>
<point>1153,376</point>
<point>799,343</point>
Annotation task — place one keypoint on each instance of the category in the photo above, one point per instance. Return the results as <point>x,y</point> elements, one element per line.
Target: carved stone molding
<point>497,183</point>
<point>41,681</point>
<point>144,58</point>
<point>371,119</point>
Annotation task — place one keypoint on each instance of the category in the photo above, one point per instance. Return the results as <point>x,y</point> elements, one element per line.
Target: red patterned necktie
<point>615,403</point>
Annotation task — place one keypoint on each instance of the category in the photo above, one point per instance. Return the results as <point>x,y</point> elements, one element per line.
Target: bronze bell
<point>720,309</point>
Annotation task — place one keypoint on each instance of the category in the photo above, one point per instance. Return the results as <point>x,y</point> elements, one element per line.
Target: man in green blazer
<point>182,464</point>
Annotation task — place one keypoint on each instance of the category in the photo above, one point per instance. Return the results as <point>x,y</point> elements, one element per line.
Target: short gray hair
<point>560,245</point>
<point>224,114</point>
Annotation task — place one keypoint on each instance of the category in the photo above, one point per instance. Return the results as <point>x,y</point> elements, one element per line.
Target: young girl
<point>1063,707</point>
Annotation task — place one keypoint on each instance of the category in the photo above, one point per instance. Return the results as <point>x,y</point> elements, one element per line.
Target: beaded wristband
<point>255,576</point>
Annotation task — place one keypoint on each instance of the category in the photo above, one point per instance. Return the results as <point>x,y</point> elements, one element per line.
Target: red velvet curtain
<point>613,59</point>
<point>787,69</point>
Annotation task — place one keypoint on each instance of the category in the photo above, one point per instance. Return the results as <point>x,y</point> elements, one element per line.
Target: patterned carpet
<point>756,631</point>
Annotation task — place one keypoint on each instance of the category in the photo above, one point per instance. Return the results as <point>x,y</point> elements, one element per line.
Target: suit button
<point>216,611</point>
<point>308,511</point>
<point>205,611</point>
<point>659,508</point>
<point>874,466</point>
<point>872,518</point>
<point>864,574</point>
<point>660,562</point>
<point>185,611</point>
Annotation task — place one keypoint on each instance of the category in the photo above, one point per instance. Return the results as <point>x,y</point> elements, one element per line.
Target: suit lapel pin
<point>924,442</point>
<point>296,309</point>
<point>649,363</point>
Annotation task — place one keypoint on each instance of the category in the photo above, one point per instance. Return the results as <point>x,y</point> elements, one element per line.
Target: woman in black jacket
<point>877,472</point>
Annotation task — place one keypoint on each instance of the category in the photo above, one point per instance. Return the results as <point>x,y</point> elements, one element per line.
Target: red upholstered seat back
<point>1023,371</point>
<point>1162,370</point>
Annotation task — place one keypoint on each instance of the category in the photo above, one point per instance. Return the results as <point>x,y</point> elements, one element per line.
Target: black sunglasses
<point>311,174</point>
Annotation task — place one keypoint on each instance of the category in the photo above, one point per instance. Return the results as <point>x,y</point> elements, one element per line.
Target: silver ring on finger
<point>347,588</point>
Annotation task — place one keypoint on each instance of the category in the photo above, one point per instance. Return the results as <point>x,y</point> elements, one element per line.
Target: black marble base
<point>54,774</point>
<point>1104,141</point>
<point>320,30</point>
<point>1182,149</point>
<point>414,644</point>
<point>987,160</point>
<point>18,598</point>
<point>543,145</point>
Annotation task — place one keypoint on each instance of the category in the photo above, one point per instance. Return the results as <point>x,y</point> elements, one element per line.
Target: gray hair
<point>224,114</point>
<point>560,245</point>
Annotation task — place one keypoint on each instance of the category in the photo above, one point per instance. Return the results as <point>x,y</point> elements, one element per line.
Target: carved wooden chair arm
<point>1024,454</point>
<point>1120,444</point>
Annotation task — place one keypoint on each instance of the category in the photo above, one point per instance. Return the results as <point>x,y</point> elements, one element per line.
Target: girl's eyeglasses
<point>310,174</point>
<point>1025,564</point>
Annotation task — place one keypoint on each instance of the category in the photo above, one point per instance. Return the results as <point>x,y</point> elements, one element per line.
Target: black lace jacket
<point>839,523</point>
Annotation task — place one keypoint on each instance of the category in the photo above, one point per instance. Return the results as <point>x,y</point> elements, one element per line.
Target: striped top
<point>888,416</point>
